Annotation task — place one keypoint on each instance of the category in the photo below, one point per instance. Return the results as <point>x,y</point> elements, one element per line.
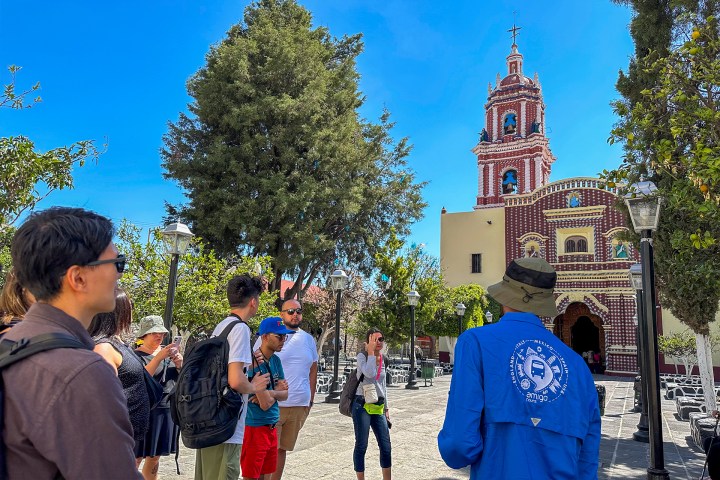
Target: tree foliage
<point>27,176</point>
<point>670,127</point>
<point>200,296</point>
<point>274,157</point>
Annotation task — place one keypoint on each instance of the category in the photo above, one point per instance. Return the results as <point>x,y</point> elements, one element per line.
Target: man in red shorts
<point>259,454</point>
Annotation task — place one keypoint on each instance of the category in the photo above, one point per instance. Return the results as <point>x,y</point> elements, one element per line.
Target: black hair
<point>370,332</point>
<point>53,240</point>
<point>243,288</point>
<point>113,323</point>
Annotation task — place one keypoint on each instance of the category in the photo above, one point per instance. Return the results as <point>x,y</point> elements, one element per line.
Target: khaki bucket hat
<point>527,286</point>
<point>151,324</point>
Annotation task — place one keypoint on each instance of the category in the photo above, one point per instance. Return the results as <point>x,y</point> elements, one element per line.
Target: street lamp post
<point>338,281</point>
<point>460,311</point>
<point>488,317</point>
<point>644,206</point>
<point>413,299</point>
<point>642,433</point>
<point>176,238</point>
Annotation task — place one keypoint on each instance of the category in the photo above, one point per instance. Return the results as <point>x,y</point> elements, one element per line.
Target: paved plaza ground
<point>324,450</point>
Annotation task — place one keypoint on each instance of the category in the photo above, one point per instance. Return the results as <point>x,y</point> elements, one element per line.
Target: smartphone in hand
<point>177,340</point>
<point>389,424</point>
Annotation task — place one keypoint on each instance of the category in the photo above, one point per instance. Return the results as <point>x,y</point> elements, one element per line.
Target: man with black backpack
<point>222,462</point>
<point>64,412</point>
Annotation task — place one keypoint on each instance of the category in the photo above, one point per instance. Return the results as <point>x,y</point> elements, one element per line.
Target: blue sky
<point>115,72</point>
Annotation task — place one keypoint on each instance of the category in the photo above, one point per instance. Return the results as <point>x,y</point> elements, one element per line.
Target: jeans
<point>362,422</point>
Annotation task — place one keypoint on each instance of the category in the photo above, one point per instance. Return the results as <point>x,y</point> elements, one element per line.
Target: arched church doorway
<point>580,329</point>
<point>584,336</point>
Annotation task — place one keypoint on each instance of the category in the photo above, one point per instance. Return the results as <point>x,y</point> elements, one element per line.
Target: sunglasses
<point>381,339</point>
<point>293,311</point>
<point>119,263</point>
<point>280,336</point>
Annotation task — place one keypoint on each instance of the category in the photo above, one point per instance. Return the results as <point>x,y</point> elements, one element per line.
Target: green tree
<point>274,157</point>
<point>200,296</point>
<point>669,123</point>
<point>400,270</point>
<point>27,176</point>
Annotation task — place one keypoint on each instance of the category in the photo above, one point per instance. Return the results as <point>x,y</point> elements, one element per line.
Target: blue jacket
<point>522,405</point>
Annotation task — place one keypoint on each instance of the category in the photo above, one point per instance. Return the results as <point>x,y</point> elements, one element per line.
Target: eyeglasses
<point>119,263</point>
<point>280,336</point>
<point>293,311</point>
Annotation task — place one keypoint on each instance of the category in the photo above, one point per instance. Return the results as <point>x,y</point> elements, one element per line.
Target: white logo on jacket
<point>538,372</point>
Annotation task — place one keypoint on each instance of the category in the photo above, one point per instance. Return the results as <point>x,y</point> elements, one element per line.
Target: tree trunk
<point>323,338</point>
<point>704,355</point>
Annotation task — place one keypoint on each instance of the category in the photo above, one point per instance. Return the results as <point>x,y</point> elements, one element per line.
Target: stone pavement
<point>324,449</point>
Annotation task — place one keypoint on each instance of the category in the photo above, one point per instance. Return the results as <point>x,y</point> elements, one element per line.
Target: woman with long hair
<point>14,302</point>
<point>163,362</point>
<point>370,406</point>
<point>106,329</point>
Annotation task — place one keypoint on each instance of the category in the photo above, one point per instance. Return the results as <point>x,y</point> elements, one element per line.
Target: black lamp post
<point>413,299</point>
<point>644,206</point>
<point>642,434</point>
<point>338,281</point>
<point>488,317</point>
<point>176,238</point>
<point>460,311</point>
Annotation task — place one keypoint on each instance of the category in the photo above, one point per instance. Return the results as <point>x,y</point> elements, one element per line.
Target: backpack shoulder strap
<point>14,351</point>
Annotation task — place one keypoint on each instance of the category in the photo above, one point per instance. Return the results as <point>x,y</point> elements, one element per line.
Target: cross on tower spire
<point>514,31</point>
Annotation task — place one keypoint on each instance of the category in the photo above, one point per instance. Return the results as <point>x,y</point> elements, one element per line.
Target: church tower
<point>513,153</point>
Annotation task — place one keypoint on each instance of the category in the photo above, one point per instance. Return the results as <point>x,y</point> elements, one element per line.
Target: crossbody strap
<point>14,351</point>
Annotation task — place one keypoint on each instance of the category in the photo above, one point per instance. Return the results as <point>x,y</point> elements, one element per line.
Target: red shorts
<point>259,451</point>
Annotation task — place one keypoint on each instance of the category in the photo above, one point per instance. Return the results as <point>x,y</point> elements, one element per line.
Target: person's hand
<point>260,382</point>
<point>259,357</point>
<point>372,343</point>
<point>177,359</point>
<point>254,400</point>
<point>281,385</point>
<point>167,351</point>
<point>715,414</point>
<point>387,414</point>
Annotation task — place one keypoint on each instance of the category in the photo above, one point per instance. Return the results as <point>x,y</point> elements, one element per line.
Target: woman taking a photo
<point>370,406</point>
<point>163,363</point>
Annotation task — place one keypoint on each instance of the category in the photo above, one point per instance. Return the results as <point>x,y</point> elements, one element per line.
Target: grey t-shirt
<point>369,367</point>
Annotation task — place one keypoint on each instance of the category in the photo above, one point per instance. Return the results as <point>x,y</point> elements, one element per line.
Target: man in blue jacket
<point>522,404</point>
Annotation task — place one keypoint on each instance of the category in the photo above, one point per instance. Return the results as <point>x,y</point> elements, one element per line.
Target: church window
<point>509,182</point>
<point>510,124</point>
<point>476,263</point>
<point>576,245</point>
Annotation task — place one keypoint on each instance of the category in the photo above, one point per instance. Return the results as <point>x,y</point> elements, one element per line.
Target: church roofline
<point>557,186</point>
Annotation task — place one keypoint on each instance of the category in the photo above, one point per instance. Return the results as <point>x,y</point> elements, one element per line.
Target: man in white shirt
<point>222,462</point>
<point>299,361</point>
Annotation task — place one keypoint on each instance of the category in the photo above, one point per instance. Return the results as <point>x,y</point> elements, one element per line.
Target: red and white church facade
<point>571,223</point>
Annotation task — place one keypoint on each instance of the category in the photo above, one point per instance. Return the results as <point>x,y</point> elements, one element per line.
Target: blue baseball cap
<point>274,325</point>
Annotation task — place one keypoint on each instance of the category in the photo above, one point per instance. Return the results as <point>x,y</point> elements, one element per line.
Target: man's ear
<point>75,279</point>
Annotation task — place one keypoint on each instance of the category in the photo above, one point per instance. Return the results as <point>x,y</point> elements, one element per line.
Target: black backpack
<point>12,352</point>
<point>203,405</point>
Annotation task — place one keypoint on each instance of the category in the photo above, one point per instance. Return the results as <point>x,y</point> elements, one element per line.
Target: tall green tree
<point>274,157</point>
<point>27,175</point>
<point>200,296</point>
<point>669,123</point>
<point>400,270</point>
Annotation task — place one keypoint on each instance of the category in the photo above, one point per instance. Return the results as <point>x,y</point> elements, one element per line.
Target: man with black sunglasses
<point>64,410</point>
<point>299,360</point>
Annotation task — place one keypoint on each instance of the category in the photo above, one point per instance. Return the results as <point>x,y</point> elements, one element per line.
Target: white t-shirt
<point>239,341</point>
<point>297,356</point>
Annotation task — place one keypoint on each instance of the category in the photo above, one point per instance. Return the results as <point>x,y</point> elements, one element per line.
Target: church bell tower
<point>513,153</point>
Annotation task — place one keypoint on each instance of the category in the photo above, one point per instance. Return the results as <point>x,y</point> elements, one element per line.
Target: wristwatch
<point>311,403</point>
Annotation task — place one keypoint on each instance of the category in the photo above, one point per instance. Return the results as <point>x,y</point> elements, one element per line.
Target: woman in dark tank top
<point>105,329</point>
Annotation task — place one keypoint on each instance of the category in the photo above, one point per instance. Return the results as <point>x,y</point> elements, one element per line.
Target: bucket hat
<point>527,286</point>
<point>151,324</point>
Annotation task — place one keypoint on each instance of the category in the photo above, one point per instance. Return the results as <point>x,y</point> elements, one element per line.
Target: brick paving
<point>324,450</point>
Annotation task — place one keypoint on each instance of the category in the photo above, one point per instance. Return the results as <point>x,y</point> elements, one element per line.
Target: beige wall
<point>670,324</point>
<point>465,233</point>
